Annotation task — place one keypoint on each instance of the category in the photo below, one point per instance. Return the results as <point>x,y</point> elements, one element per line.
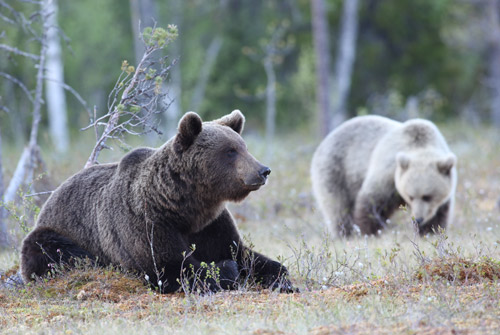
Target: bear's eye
<point>231,153</point>
<point>427,198</point>
<point>411,198</point>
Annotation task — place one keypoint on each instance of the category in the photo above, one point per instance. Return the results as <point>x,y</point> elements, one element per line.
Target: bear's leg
<point>220,242</point>
<point>44,248</point>
<point>336,209</point>
<point>372,211</point>
<point>439,221</point>
<point>179,267</point>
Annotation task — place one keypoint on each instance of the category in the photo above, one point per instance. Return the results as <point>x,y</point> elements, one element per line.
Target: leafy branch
<point>134,99</point>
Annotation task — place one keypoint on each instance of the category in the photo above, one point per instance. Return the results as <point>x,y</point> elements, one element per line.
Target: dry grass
<point>396,283</point>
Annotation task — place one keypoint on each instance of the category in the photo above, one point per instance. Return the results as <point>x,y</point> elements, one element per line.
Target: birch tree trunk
<point>174,85</point>
<point>206,69</point>
<point>143,12</point>
<point>3,214</point>
<point>270,104</point>
<point>31,154</point>
<point>345,60</point>
<point>322,51</point>
<point>54,91</point>
<point>493,8</point>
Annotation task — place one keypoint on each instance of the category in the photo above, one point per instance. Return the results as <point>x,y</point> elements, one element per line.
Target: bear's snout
<point>258,178</point>
<point>264,172</point>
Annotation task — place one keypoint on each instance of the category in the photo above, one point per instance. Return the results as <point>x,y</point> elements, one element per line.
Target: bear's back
<point>411,136</point>
<point>72,208</point>
<point>68,211</point>
<point>344,155</point>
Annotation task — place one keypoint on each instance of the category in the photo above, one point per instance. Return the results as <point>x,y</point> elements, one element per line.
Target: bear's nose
<point>264,172</point>
<point>419,221</point>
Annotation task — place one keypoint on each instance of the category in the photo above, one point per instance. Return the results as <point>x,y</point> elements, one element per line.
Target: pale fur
<point>357,182</point>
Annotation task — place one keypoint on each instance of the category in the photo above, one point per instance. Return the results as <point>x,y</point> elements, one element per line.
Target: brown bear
<point>370,165</point>
<point>147,211</point>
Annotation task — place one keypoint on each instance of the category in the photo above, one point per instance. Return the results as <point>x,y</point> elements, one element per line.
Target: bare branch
<point>6,19</point>
<point>19,83</point>
<point>37,194</point>
<point>72,91</point>
<point>134,99</point>
<point>16,51</point>
<point>5,109</point>
<point>33,2</point>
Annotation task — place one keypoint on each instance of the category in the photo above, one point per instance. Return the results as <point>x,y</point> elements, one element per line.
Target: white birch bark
<point>345,60</point>
<point>3,216</point>
<point>142,16</point>
<point>322,51</point>
<point>206,69</point>
<point>54,91</point>
<point>270,104</point>
<point>27,162</point>
<point>174,85</point>
<point>493,7</point>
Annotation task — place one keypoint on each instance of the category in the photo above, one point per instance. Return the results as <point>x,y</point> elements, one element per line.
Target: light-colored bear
<point>370,165</point>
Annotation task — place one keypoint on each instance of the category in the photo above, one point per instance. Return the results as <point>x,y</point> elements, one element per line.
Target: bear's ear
<point>446,164</point>
<point>403,160</point>
<point>235,121</point>
<point>187,131</point>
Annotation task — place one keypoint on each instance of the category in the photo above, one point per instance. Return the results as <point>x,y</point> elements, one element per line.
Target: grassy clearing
<point>396,283</point>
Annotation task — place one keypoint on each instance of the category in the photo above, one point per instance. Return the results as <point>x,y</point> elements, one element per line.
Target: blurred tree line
<point>429,58</point>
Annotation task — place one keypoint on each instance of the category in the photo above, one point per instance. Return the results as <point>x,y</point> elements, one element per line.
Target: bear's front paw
<point>284,285</point>
<point>228,274</point>
<point>279,280</point>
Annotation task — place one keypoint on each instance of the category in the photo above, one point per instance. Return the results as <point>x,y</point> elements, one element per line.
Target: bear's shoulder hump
<point>135,157</point>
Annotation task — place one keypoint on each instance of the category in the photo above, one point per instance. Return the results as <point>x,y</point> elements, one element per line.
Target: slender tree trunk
<point>322,51</point>
<point>135,17</point>
<point>493,8</point>
<point>270,104</point>
<point>3,214</point>
<point>143,12</point>
<point>31,154</point>
<point>54,91</point>
<point>206,69</point>
<point>345,60</point>
<point>174,85</point>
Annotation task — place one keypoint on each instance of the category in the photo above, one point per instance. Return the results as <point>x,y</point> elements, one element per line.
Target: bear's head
<point>425,180</point>
<point>215,157</point>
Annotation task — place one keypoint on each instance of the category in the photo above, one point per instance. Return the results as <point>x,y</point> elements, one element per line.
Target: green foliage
<point>97,42</point>
<point>159,37</point>
<point>404,49</point>
<point>401,47</point>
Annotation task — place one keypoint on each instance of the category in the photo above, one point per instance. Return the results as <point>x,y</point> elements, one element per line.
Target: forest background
<point>433,58</point>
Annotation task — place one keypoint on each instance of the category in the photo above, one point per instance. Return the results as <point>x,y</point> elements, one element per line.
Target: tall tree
<point>30,157</point>
<point>142,14</point>
<point>492,8</point>
<point>322,51</point>
<point>54,91</point>
<point>345,60</point>
<point>174,84</point>
<point>273,50</point>
<point>3,216</point>
<point>208,65</point>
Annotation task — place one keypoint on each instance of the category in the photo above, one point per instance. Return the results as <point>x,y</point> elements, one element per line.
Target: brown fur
<point>144,212</point>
